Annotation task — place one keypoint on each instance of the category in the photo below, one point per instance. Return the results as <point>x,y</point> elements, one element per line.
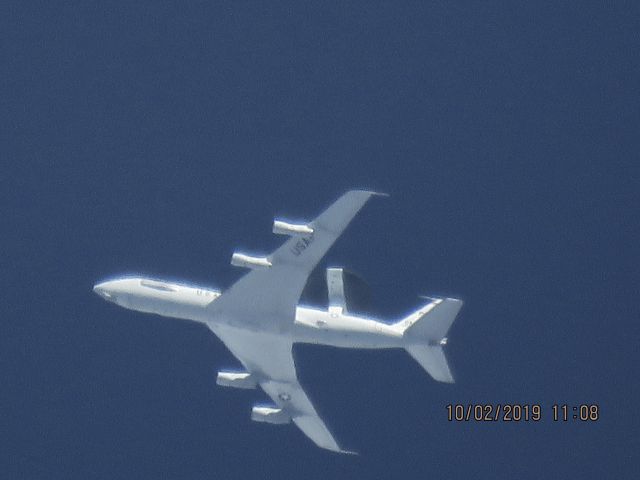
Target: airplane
<point>258,318</point>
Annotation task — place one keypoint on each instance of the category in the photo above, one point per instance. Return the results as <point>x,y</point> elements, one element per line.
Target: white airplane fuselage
<point>331,327</point>
<point>258,318</point>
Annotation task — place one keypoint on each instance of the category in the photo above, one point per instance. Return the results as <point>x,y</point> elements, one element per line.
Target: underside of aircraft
<point>258,318</point>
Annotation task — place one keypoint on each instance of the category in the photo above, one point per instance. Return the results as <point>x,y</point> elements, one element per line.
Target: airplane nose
<point>99,288</point>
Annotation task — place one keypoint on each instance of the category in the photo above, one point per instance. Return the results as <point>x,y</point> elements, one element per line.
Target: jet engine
<point>236,380</point>
<point>284,228</point>
<point>246,261</point>
<point>271,415</point>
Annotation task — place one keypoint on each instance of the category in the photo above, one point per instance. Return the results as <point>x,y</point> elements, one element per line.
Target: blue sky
<point>158,137</point>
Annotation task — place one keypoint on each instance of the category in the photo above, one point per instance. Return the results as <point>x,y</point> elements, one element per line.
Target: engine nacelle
<point>271,415</point>
<point>236,380</point>
<point>284,228</point>
<point>246,261</point>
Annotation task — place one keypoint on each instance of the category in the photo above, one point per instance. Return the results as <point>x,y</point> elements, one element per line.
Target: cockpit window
<point>157,286</point>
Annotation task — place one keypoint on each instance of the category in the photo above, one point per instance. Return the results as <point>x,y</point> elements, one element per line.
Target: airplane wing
<point>269,359</point>
<point>254,318</point>
<point>290,397</point>
<point>266,299</point>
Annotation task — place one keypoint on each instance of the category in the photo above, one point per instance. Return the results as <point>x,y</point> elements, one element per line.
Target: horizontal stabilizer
<point>424,333</point>
<point>431,322</point>
<point>432,359</point>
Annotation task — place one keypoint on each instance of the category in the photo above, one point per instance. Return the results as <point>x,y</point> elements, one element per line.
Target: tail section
<point>424,333</point>
<point>432,359</point>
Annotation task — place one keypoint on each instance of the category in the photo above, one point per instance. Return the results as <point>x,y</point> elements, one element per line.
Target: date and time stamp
<point>516,412</point>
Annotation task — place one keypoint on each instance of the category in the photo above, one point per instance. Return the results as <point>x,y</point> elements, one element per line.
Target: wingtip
<point>428,297</point>
<point>372,193</point>
<point>348,452</point>
<point>379,194</point>
<point>441,299</point>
